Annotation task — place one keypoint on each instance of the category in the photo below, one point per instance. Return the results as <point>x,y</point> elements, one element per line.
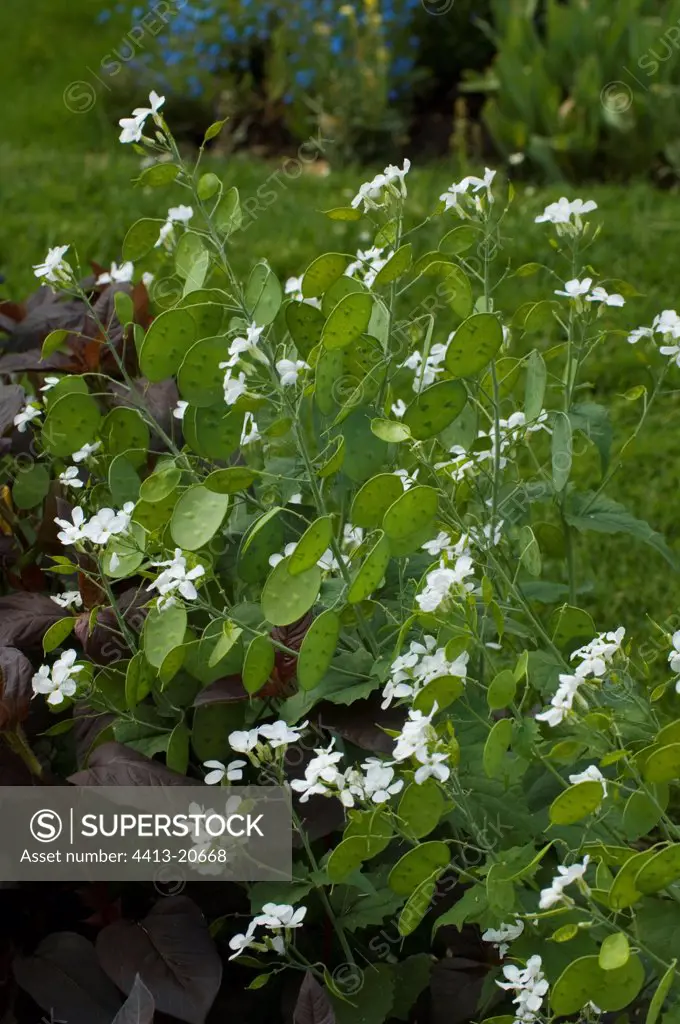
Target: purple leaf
<point>16,673</point>
<point>313,1005</point>
<point>139,1006</point>
<point>25,618</point>
<point>114,764</point>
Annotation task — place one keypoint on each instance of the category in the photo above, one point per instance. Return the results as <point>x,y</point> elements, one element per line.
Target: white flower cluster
<point>59,681</point>
<point>54,267</point>
<point>275,734</point>
<point>564,877</point>
<point>418,738</point>
<point>576,289</point>
<point>235,386</point>
<point>594,661</point>
<point>371,193</point>
<point>69,599</point>
<point>451,198</point>
<point>488,536</point>
<point>69,477</point>
<point>562,212</point>
<point>289,371</point>
<point>530,987</point>
<point>133,127</point>
<point>31,411</point>
<point>277,918</point>
<point>425,372</point>
<point>218,772</point>
<point>117,275</point>
<point>510,432</point>
<point>501,937</point>
<point>175,579</point>
<point>666,323</point>
<point>674,658</point>
<point>444,582</point>
<point>99,529</point>
<point>368,264</point>
<point>422,663</point>
<point>176,215</point>
<point>323,777</point>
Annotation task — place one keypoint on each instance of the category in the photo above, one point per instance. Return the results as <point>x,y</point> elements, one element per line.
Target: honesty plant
<point>351,557</point>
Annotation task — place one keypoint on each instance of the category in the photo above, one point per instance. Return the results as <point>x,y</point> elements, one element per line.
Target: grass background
<point>64,178</point>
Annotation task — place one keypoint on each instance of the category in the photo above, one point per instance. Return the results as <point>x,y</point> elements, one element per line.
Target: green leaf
<point>374,498</point>
<point>660,872</point>
<point>30,486</point>
<point>590,511</point>
<point>371,573</point>
<point>208,186</point>
<point>346,858</point>
<point>584,981</point>
<point>258,663</point>
<point>197,517</point>
<point>614,952</point>
<point>160,484</point>
<point>417,866</point>
<point>472,904</point>
<point>54,342</point>
<point>227,216</point>
<point>177,754</point>
<point>348,320</point>
<point>263,295</point>
<point>163,631</point>
<point>593,421</point>
<point>562,450</point>
<point>287,598</point>
<point>157,175</point>
<point>214,130</point>
<point>571,627</point>
<point>642,812</point>
<point>188,251</point>
<point>502,689</point>
<point>659,997</point>
<point>200,379</point>
<point>372,1003</point>
<point>230,480</point>
<point>374,826</point>
<point>344,213</point>
<point>663,765</point>
<point>328,464</point>
<point>459,240</point>
<point>413,511</point>
<point>474,345</point>
<point>311,546</point>
<point>576,803</point>
<point>390,431</point>
<point>534,393</point>
<point>141,238</point>
<point>421,808</point>
<point>435,408</point>
<point>624,891</point>
<point>139,680</point>
<point>329,370</point>
<point>443,691</point>
<point>226,640</point>
<point>455,287</point>
<point>128,548</point>
<point>167,341</point>
<point>530,552</point>
<point>371,909</point>
<point>496,747</point>
<point>57,633</point>
<point>306,324</point>
<point>213,433</point>
<point>322,272</point>
<point>364,453</point>
<point>540,317</point>
<point>124,432</point>
<point>123,481</point>
<point>72,421</point>
<point>395,267</point>
<point>125,311</point>
<point>318,649</point>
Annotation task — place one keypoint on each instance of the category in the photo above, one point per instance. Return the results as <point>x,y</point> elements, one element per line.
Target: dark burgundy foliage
<point>16,691</point>
<point>25,618</point>
<point>114,764</point>
<point>139,1006</point>
<point>313,1005</point>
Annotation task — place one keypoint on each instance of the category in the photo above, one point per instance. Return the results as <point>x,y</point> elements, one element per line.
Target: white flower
<point>280,734</point>
<point>232,772</point>
<point>667,322</point>
<point>85,452</point>
<point>407,479</point>
<point>674,656</point>
<point>293,287</point>
<point>28,413</point>
<point>70,478</point>
<point>530,986</point>
<point>234,387</point>
<point>176,578</point>
<point>561,213</point>
<point>503,936</point>
<point>566,876</point>
<point>289,370</point>
<point>427,373</point>
<point>243,740</point>
<point>450,197</point>
<point>281,915</point>
<point>134,126</point>
<point>432,765</point>
<point>440,544</point>
<point>320,773</point>
<point>399,408</point>
<point>393,174</point>
<point>69,599</point>
<point>562,701</point>
<point>638,333</point>
<point>241,346</point>
<point>440,582</point>
<point>117,274</point>
<point>591,774</point>
<point>295,499</point>
<point>49,383</point>
<point>180,409</point>
<point>166,234</point>
<point>54,267</point>
<point>250,433</point>
<point>60,682</point>
<point>71,533</point>
<point>485,182</point>
<point>574,289</point>
<point>599,294</point>
<point>108,523</point>
<point>596,655</point>
<point>417,732</point>
<point>148,278</point>
<point>369,193</point>
<point>176,215</point>
<point>671,350</point>
<point>239,943</point>
<point>287,552</point>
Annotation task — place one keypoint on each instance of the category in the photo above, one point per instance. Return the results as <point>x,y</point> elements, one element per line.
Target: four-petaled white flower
<point>70,478</point>
<point>175,578</point>
<point>530,987</point>
<point>29,413</point>
<point>176,215</point>
<point>280,734</point>
<point>561,213</point>
<point>600,294</point>
<point>107,523</point>
<point>58,682</point>
<point>85,452</point>
<point>574,289</point>
<point>289,370</point>
<point>233,772</point>
<point>72,532</point>
<point>562,701</point>
<point>133,127</point>
<point>281,915</point>
<point>503,936</point>
<point>69,599</point>
<point>117,274</point>
<point>54,267</point>
<point>234,387</point>
<point>591,774</point>
<point>565,876</point>
<point>440,582</point>
<point>243,740</point>
<point>250,432</point>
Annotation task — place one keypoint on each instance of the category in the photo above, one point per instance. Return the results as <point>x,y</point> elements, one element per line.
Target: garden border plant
<point>349,565</point>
